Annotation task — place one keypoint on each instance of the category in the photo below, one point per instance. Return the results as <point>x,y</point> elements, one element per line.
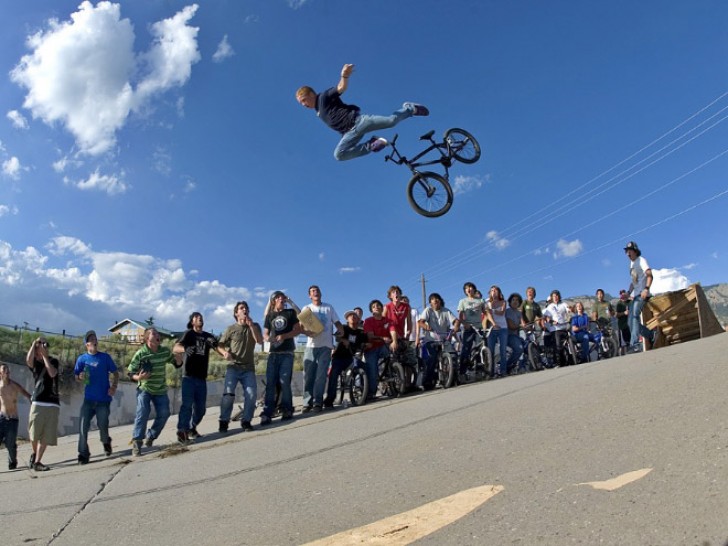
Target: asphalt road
<point>540,437</point>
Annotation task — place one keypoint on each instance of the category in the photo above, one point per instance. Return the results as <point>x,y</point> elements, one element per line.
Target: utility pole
<point>424,292</point>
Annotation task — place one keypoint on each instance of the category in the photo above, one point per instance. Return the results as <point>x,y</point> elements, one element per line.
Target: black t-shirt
<point>281,322</point>
<point>333,112</point>
<point>357,339</point>
<point>46,387</point>
<point>197,352</point>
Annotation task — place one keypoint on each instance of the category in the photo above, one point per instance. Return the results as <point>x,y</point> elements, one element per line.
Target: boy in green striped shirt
<point>148,367</point>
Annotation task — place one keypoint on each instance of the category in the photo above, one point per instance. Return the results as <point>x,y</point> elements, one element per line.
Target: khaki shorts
<point>43,424</point>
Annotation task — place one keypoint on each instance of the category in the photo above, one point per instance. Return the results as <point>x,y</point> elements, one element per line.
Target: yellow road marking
<point>414,524</point>
<point>619,481</point>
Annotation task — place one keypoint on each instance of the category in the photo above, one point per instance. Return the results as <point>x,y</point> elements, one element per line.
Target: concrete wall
<point>123,406</point>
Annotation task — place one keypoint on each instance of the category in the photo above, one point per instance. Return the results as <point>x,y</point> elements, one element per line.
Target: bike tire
<point>446,370</point>
<point>429,194</point>
<point>341,386</point>
<point>463,145</point>
<point>400,379</point>
<point>611,350</point>
<point>571,352</point>
<point>358,387</point>
<point>534,358</point>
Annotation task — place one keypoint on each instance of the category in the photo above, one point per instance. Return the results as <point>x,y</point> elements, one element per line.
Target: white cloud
<point>496,240</point>
<point>70,275</point>
<point>17,119</point>
<point>5,210</point>
<point>321,256</point>
<point>568,249</point>
<point>464,184</point>
<point>12,167</point>
<point>111,184</point>
<point>295,4</point>
<point>251,19</point>
<point>79,72</point>
<point>689,266</point>
<point>343,270</point>
<point>667,280</point>
<point>714,255</point>
<point>224,50</point>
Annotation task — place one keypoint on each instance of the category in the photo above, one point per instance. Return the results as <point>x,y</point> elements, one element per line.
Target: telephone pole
<point>424,293</point>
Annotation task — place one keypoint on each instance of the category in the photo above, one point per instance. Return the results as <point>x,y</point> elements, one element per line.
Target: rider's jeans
<point>194,403</point>
<point>371,361</point>
<point>316,361</point>
<point>582,337</point>
<point>500,336</point>
<point>278,370</point>
<point>89,410</point>
<point>468,340</point>
<point>349,146</point>
<point>636,327</point>
<point>516,344</point>
<point>246,378</point>
<point>144,408</point>
<point>338,366</point>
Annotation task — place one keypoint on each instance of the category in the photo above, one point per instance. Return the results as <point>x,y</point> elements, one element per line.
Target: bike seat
<point>427,135</point>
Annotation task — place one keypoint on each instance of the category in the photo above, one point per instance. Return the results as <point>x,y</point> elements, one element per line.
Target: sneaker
<point>246,426</point>
<point>182,438</point>
<point>306,409</point>
<point>31,461</point>
<point>192,433</point>
<point>264,420</point>
<point>635,349</point>
<point>223,427</point>
<point>377,144</point>
<point>328,406</point>
<point>107,448</point>
<point>136,448</point>
<point>82,459</point>
<point>286,416</point>
<point>149,442</point>
<point>12,466</point>
<point>317,409</point>
<point>40,467</point>
<point>416,109</point>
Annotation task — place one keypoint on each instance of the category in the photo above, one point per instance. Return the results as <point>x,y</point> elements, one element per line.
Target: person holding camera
<point>45,403</point>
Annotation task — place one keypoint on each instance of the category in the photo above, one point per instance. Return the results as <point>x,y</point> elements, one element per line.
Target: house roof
<point>141,324</point>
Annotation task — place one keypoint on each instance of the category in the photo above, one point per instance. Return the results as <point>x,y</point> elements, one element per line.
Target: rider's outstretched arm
<point>344,81</point>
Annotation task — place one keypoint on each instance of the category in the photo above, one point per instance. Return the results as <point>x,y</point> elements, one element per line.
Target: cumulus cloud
<point>667,280</point>
<point>295,4</point>
<point>343,270</point>
<point>496,240</point>
<point>11,168</point>
<point>464,184</point>
<point>69,274</point>
<point>6,210</point>
<point>17,119</point>
<point>224,50</point>
<point>568,249</point>
<point>108,183</point>
<point>85,75</point>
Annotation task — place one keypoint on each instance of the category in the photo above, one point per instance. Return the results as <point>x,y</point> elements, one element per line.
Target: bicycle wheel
<point>571,358</point>
<point>446,370</point>
<point>429,194</point>
<point>358,387</point>
<point>534,359</point>
<point>463,145</point>
<point>610,348</point>
<point>341,385</point>
<point>399,377</point>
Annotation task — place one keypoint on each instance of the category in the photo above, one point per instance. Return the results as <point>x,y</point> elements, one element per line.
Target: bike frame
<point>445,158</point>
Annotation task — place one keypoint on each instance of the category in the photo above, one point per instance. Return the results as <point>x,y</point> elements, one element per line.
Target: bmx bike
<point>430,193</point>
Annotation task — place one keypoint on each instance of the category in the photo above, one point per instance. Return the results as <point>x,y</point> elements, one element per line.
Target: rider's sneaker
<point>416,109</point>
<point>377,144</point>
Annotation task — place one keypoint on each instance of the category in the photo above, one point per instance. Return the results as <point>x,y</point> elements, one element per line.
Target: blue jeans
<point>516,344</point>
<point>9,435</point>
<point>278,370</point>
<point>349,146</point>
<point>246,378</point>
<point>194,403</point>
<point>89,409</point>
<point>499,336</point>
<point>371,362</point>
<point>582,337</point>
<point>144,408</point>
<point>636,327</point>
<point>338,365</point>
<point>467,346</point>
<point>316,361</point>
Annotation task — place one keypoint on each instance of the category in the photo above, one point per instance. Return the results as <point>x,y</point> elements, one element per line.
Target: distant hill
<point>717,295</point>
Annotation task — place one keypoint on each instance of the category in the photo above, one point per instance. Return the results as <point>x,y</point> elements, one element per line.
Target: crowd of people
<point>394,327</point>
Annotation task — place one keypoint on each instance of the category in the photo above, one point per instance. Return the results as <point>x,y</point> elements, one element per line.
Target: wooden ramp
<point>683,315</point>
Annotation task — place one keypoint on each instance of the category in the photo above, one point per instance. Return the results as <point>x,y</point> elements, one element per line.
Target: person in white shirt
<point>639,289</point>
<point>556,323</point>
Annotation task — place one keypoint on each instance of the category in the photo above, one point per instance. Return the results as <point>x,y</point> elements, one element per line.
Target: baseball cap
<point>275,294</point>
<point>350,312</point>
<point>632,246</point>
<point>88,335</point>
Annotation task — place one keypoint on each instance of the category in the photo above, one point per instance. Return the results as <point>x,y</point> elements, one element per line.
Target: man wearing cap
<point>45,402</point>
<point>93,369</point>
<point>351,340</point>
<point>280,328</point>
<point>639,289</point>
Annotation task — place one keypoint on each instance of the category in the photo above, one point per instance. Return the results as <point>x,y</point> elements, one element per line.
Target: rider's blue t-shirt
<point>97,367</point>
<point>333,112</point>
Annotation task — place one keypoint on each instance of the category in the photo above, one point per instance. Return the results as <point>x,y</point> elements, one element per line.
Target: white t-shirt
<point>326,314</point>
<point>500,320</point>
<point>558,313</point>
<point>637,271</point>
<point>439,321</point>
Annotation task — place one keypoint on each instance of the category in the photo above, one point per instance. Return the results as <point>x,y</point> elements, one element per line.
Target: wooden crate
<point>682,315</point>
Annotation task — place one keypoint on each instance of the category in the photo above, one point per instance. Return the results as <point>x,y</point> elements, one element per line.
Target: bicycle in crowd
<point>533,348</point>
<point>561,340</point>
<point>430,193</point>
<point>479,363</point>
<point>446,358</point>
<point>391,377</point>
<point>354,382</point>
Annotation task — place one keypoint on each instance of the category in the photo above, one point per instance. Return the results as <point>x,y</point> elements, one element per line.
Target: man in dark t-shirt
<point>279,330</point>
<point>195,345</point>
<point>45,402</point>
<point>347,119</point>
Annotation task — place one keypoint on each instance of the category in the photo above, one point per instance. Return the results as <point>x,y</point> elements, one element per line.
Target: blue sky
<point>155,161</point>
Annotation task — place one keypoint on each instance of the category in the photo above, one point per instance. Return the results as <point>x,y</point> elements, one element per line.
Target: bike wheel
<point>446,370</point>
<point>463,145</point>
<point>429,194</point>
<point>571,357</point>
<point>400,379</point>
<point>358,387</point>
<point>344,378</point>
<point>534,359</point>
<point>610,348</point>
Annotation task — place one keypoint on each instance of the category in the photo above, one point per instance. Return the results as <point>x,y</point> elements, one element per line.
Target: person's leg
<point>337,366</point>
<point>468,339</point>
<point>503,349</point>
<point>84,423</point>
<point>199,401</point>
<point>228,394</point>
<point>250,394</point>
<point>349,146</point>
<point>185,409</point>
<point>636,327</point>
<point>371,364</point>
<point>516,345</point>
<point>323,361</point>
<point>161,408</point>
<point>271,380</point>
<point>143,410</point>
<point>103,410</point>
<point>309,376</point>
<point>285,371</point>
<point>11,442</point>
<point>582,338</point>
